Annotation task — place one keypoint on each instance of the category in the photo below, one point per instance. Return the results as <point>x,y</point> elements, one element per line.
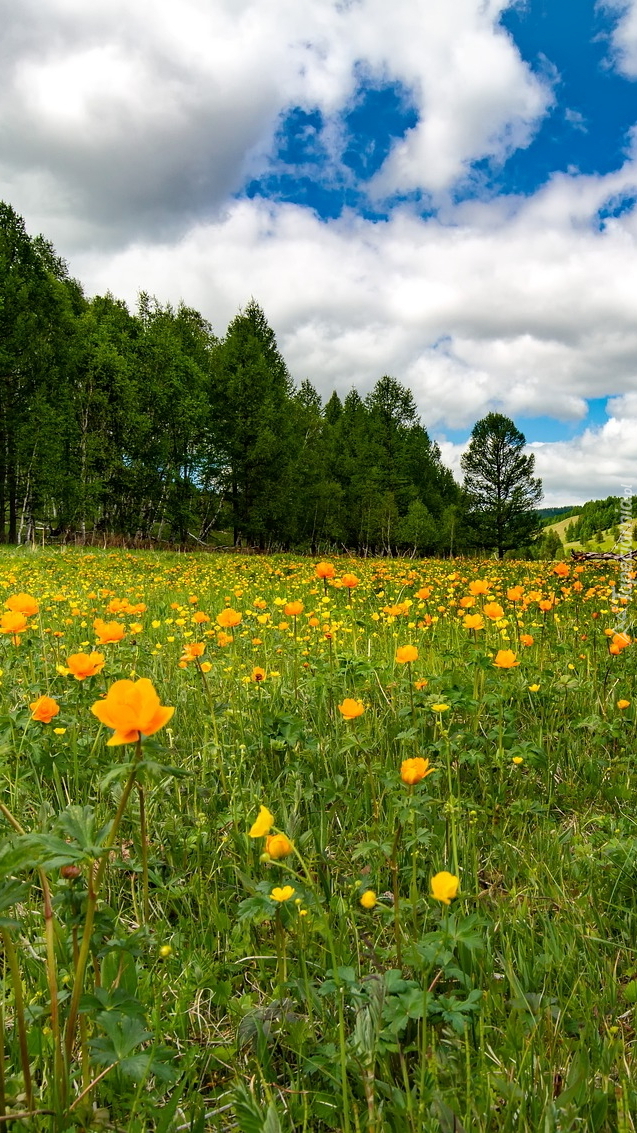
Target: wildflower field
<point>292,846</point>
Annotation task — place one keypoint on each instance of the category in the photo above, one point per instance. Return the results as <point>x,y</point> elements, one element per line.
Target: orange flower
<point>192,650</point>
<point>258,674</point>
<point>44,709</point>
<point>350,709</point>
<point>423,593</point>
<point>420,684</point>
<point>467,603</point>
<point>526,639</point>
<point>199,618</point>
<point>514,593</point>
<point>493,610</point>
<point>133,710</point>
<point>350,581</point>
<point>473,621</point>
<point>620,641</point>
<point>13,623</point>
<point>228,618</point>
<point>413,770</point>
<point>545,605</point>
<point>224,639</point>
<point>505,659</point>
<point>293,609</point>
<point>278,846</point>
<point>479,587</point>
<point>22,604</point>
<point>623,704</point>
<point>561,570</point>
<point>324,570</point>
<point>83,665</point>
<point>406,653</point>
<point>108,633</point>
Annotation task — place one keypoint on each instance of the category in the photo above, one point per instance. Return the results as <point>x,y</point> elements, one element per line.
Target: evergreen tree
<point>501,491</point>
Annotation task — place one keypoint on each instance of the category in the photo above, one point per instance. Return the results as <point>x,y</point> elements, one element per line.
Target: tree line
<point>148,426</point>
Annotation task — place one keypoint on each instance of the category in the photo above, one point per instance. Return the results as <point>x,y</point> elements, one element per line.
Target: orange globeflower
<point>228,618</point>
<point>22,604</point>
<point>324,570</point>
<point>423,593</point>
<point>193,650</point>
<point>108,633</point>
<point>350,581</point>
<point>620,641</point>
<point>199,618</point>
<point>83,665</point>
<point>561,569</point>
<point>514,593</point>
<point>278,846</point>
<point>293,609</point>
<point>406,653</point>
<point>413,770</point>
<point>350,709</point>
<point>13,623</point>
<point>473,621</point>
<point>44,709</point>
<point>505,659</point>
<point>526,639</point>
<point>258,674</point>
<point>623,703</point>
<point>479,587</point>
<point>545,605</point>
<point>467,603</point>
<point>493,610</point>
<point>133,710</point>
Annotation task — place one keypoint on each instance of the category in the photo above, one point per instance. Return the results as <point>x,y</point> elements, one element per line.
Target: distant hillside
<point>548,515</point>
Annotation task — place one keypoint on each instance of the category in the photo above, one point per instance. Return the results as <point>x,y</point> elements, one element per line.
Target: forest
<point>146,427</point>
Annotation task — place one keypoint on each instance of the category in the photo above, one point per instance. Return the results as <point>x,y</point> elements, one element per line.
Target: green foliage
<point>501,491</point>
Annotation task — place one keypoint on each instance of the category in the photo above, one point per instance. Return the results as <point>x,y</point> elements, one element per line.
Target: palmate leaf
<point>119,1048</point>
<point>45,851</point>
<point>78,823</point>
<point>251,1117</point>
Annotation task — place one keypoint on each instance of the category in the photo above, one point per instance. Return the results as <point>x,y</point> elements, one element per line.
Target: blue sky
<point>444,192</point>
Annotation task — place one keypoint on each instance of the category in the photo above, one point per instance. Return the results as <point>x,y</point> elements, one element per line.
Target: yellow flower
<point>350,709</point>
<point>165,951</point>
<point>59,731</point>
<point>282,894</point>
<point>440,708</point>
<point>406,653</point>
<point>444,886</point>
<point>278,846</point>
<point>262,824</point>
<point>517,759</point>
<point>534,688</point>
<point>369,899</point>
<point>413,770</point>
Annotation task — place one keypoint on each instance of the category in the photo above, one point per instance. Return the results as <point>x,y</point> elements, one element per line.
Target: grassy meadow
<point>377,870</point>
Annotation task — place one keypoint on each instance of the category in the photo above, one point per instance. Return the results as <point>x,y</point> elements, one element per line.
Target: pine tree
<point>501,491</point>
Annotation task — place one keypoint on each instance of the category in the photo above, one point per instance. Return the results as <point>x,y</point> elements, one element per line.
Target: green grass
<point>511,1009</point>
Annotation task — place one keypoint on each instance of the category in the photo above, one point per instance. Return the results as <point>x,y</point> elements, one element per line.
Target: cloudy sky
<point>441,190</point>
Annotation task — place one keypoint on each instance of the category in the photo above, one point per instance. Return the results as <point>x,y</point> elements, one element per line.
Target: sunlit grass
<point>315,980</point>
